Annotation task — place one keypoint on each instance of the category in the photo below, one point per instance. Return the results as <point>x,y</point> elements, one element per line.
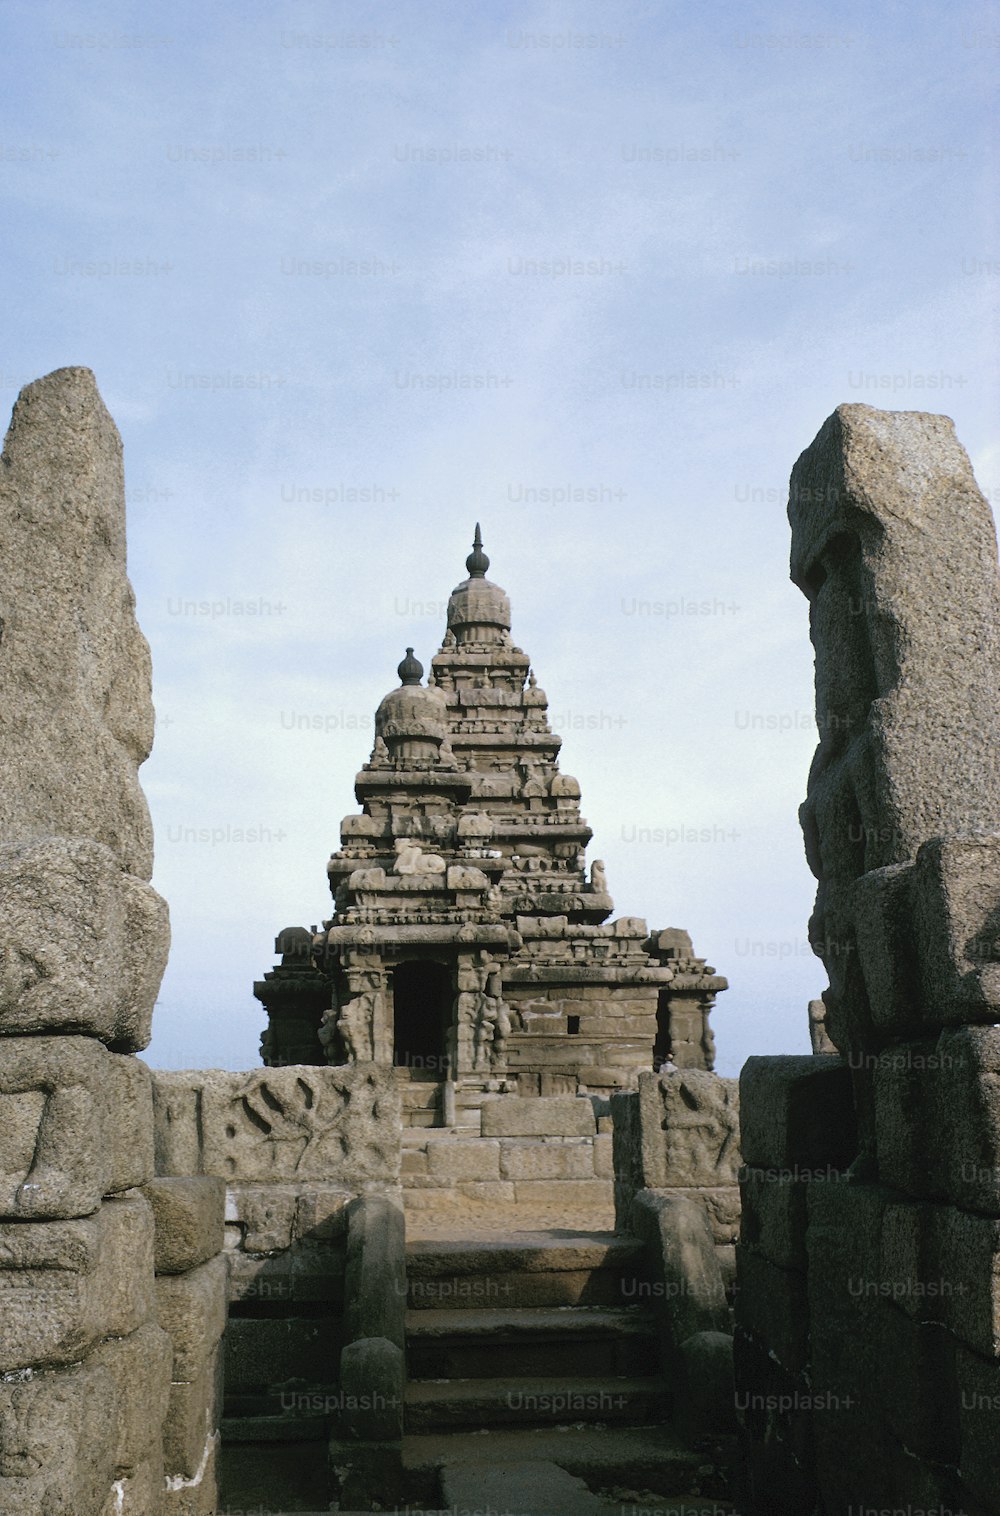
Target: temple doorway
<point>422,1006</point>
<point>661,1047</point>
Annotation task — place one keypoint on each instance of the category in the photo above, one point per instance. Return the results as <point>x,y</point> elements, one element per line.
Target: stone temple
<point>468,946</point>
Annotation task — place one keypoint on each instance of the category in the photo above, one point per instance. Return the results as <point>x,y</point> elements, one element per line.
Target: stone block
<point>139,1492</point>
<point>604,1164</point>
<point>56,1454</point>
<point>303,1272</point>
<point>721,1206</point>
<point>336,1125</point>
<point>522,1158</point>
<point>797,1113</point>
<point>375,1271</point>
<point>937,1115</point>
<point>979,1422</point>
<point>524,1485</point>
<point>908,1097</point>
<point>266,1213</point>
<point>66,1284</point>
<point>192,1415</point>
<point>886,519</point>
<point>321,1214</point>
<point>177,1122</point>
<point>75,1125</point>
<point>191,1307</point>
<point>919,1390</point>
<point>139,1366</point>
<point>198,1496</point>
<point>681,1258</point>
<point>582,1194</point>
<point>188,1220</point>
<point>967,1277</point>
<point>486,1191</point>
<point>545,1116</point>
<point>772,1307</point>
<point>883,918</point>
<point>774,1410</point>
<point>774,1216</point>
<point>847,1286</point>
<point>956,928</point>
<point>76,714</point>
<point>83,946</point>
<point>477,1158</point>
<point>261,1352</point>
<point>372,1382</point>
<point>689,1129</point>
<point>707,1399</point>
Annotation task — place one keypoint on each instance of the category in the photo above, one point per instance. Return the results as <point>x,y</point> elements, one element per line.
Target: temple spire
<point>477,562</point>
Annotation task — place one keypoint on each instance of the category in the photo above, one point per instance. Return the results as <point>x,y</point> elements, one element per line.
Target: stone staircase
<point>533,1347</point>
<point>421,1092</point>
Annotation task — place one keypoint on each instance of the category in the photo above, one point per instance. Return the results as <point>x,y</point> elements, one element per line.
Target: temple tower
<point>469,943</point>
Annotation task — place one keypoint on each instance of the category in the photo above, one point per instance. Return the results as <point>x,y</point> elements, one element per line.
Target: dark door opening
<point>661,1047</point>
<point>422,1003</point>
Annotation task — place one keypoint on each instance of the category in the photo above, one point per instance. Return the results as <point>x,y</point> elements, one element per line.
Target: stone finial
<point>411,670</point>
<point>477,562</point>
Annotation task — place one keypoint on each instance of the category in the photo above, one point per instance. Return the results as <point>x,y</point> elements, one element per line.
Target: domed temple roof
<point>478,610</point>
<point>413,711</point>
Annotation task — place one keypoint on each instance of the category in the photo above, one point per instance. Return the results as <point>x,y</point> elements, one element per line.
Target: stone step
<point>469,1344</point>
<point>421,1119</point>
<point>268,1429</point>
<point>418,1097</point>
<point>637,1458</point>
<point>527,1401</point>
<point>528,1251</point>
<point>531,1270</point>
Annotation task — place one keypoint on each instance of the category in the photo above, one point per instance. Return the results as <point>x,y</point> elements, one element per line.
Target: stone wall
<point>868,1348</point>
<point>679,1135</point>
<point>191,1306</point>
<point>292,1147</point>
<point>85,1368</point>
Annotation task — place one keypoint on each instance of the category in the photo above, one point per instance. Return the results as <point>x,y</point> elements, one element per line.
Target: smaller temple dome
<point>413,714</point>
<point>478,610</point>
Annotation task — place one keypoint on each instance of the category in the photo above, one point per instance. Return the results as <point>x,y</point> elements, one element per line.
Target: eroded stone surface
<point>895,546</point>
<point>139,1365</point>
<point>83,945</point>
<point>56,1455</point>
<point>340,1125</point>
<point>188,1217</point>
<point>191,1308</point>
<point>75,1125</point>
<point>66,1284</point>
<point>76,716</point>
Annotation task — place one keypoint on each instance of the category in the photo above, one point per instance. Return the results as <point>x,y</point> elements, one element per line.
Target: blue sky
<point>352,277</point>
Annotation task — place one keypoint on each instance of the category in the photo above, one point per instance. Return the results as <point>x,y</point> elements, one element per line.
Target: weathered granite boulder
<point>895,547</point>
<point>76,718</point>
